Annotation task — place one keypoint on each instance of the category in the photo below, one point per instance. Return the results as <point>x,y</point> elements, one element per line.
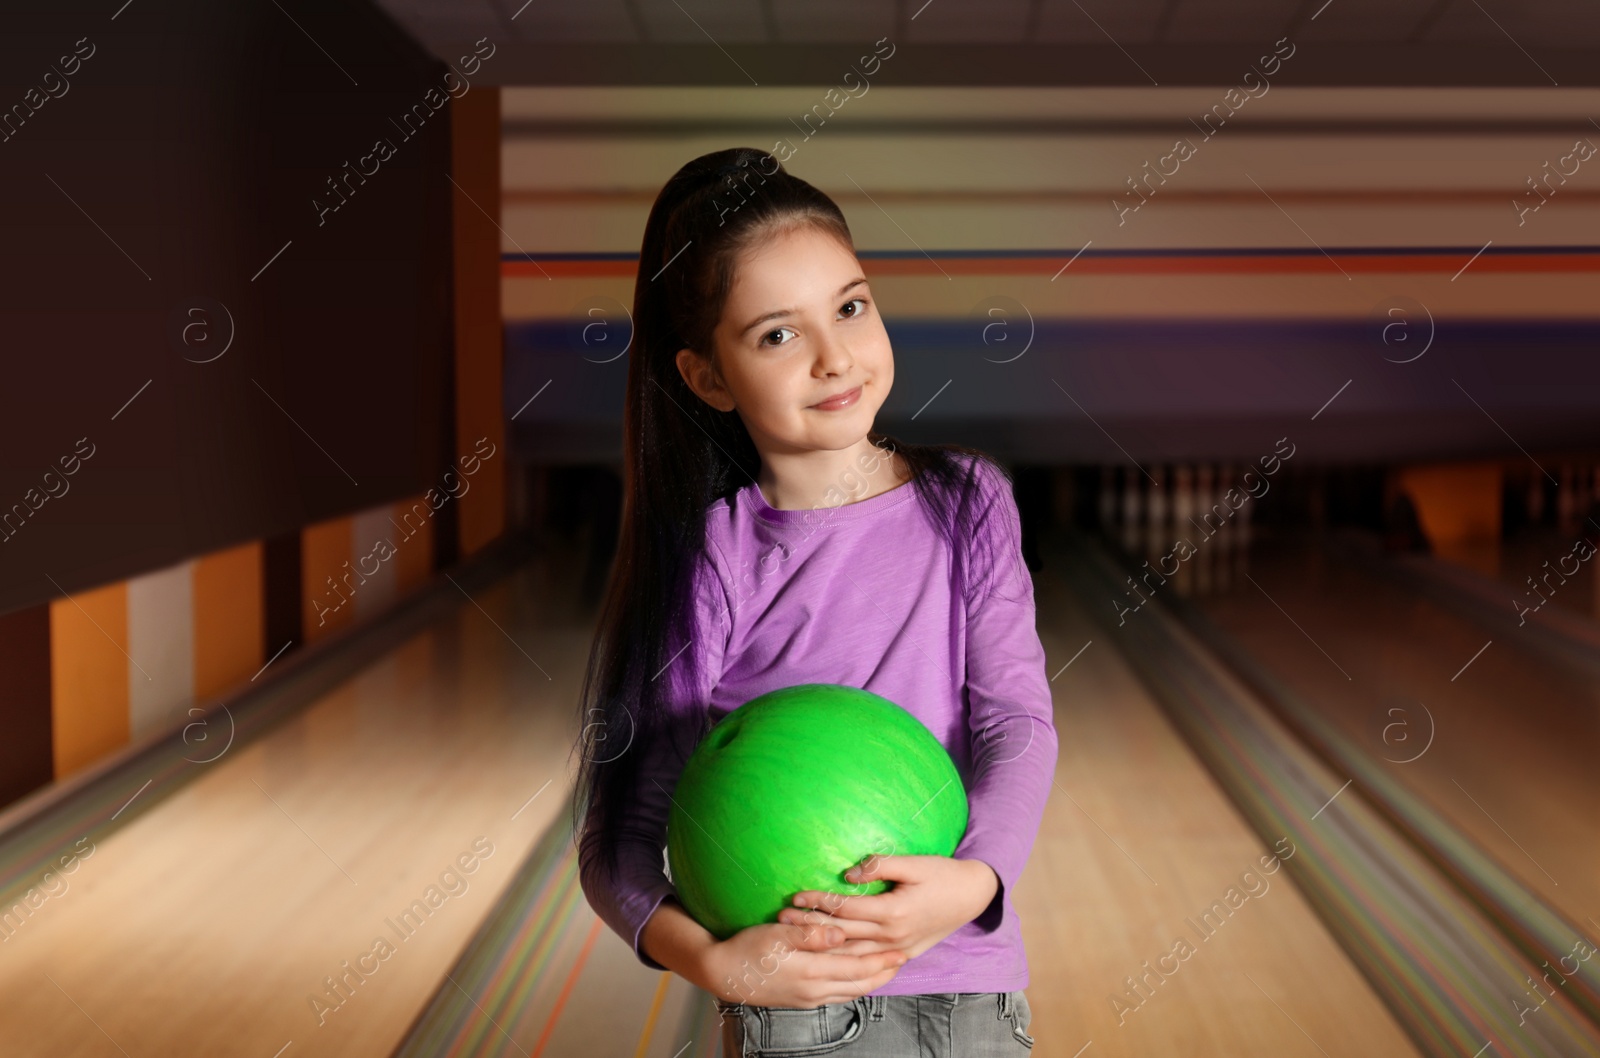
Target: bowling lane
<point>209,924</point>
<point>1504,741</point>
<point>1537,559</point>
<point>1136,841</point>
<point>1559,575</point>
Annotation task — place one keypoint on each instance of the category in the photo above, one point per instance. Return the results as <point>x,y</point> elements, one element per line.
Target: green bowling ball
<point>794,787</point>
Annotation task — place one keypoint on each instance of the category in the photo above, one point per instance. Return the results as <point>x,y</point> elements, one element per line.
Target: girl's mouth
<point>843,400</point>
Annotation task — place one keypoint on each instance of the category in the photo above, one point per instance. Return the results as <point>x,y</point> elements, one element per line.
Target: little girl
<point>771,537</point>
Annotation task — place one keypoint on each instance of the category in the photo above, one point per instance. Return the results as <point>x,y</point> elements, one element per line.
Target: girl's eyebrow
<point>790,312</point>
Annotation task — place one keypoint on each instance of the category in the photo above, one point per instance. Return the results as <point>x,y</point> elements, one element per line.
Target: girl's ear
<point>701,377</point>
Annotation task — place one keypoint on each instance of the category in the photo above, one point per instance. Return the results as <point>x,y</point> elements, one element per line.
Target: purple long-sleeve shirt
<point>864,595</point>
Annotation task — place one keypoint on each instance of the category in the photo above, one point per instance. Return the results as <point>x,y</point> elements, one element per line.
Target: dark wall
<point>1163,389</point>
<point>219,346</point>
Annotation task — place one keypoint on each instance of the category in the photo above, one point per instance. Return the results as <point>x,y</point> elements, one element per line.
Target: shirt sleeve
<point>626,902</point>
<point>1010,712</point>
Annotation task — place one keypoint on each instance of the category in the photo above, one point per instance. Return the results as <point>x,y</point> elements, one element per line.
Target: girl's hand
<point>797,966</point>
<point>933,896</point>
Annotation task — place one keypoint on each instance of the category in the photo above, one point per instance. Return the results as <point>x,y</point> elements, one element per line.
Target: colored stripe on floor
<point>514,981</point>
<point>1447,970</point>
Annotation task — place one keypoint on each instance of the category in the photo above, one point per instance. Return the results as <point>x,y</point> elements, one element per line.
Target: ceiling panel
<point>595,22</point>
<point>721,22</point>
<point>1100,22</point>
<point>1542,24</point>
<point>1001,22</point>
<point>1229,21</point>
<point>993,42</point>
<point>1355,21</point>
<point>446,24</point>
<point>469,20</point>
<point>834,21</point>
<point>1558,23</point>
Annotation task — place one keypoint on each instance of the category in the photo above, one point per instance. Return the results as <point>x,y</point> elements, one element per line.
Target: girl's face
<point>800,326</point>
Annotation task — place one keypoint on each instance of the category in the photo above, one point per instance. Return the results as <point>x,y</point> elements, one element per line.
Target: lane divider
<point>1449,974</point>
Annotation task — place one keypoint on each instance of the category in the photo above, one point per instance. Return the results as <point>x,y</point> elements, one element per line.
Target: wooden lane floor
<point>211,924</point>
<point>1537,567</point>
<point>1500,739</point>
<point>1137,847</point>
<point>395,808</point>
<point>1137,842</point>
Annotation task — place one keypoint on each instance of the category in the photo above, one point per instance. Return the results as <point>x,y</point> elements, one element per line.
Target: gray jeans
<point>946,1024</point>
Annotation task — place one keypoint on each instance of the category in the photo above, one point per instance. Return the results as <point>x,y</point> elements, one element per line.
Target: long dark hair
<point>681,455</point>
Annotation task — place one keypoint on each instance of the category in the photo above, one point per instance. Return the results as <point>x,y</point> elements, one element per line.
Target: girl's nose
<point>833,356</point>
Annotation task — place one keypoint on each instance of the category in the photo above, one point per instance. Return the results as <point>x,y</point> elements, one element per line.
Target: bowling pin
<point>1204,499</point>
<point>1582,495</point>
<point>1155,536</point>
<point>1223,570</point>
<point>1132,505</point>
<point>1241,539</point>
<point>1566,507</point>
<point>1183,525</point>
<point>1108,498</point>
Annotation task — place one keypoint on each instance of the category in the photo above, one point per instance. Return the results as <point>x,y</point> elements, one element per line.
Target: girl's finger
<point>844,930</point>
<point>859,947</point>
<point>843,969</point>
<point>871,865</point>
<point>848,929</point>
<point>854,934</point>
<point>856,907</point>
<point>822,901</point>
<point>848,986</point>
<point>871,984</point>
<point>816,938</point>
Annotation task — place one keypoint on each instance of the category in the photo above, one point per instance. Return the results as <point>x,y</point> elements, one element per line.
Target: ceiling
<point>1022,42</point>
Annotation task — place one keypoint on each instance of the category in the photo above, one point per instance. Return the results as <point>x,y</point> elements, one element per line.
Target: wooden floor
<point>1136,841</point>
<point>1514,734</point>
<point>205,927</point>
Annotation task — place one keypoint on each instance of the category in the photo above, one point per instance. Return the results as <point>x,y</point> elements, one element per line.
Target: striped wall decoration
<point>129,661</point>
<point>88,674</point>
<point>1086,281</point>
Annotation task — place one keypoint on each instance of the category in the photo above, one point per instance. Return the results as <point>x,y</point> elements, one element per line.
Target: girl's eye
<point>779,330</point>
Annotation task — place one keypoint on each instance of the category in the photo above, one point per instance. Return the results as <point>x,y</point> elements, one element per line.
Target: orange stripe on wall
<point>325,594</point>
<point>414,553</point>
<point>1167,264</point>
<point>89,676</point>
<point>228,618</point>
